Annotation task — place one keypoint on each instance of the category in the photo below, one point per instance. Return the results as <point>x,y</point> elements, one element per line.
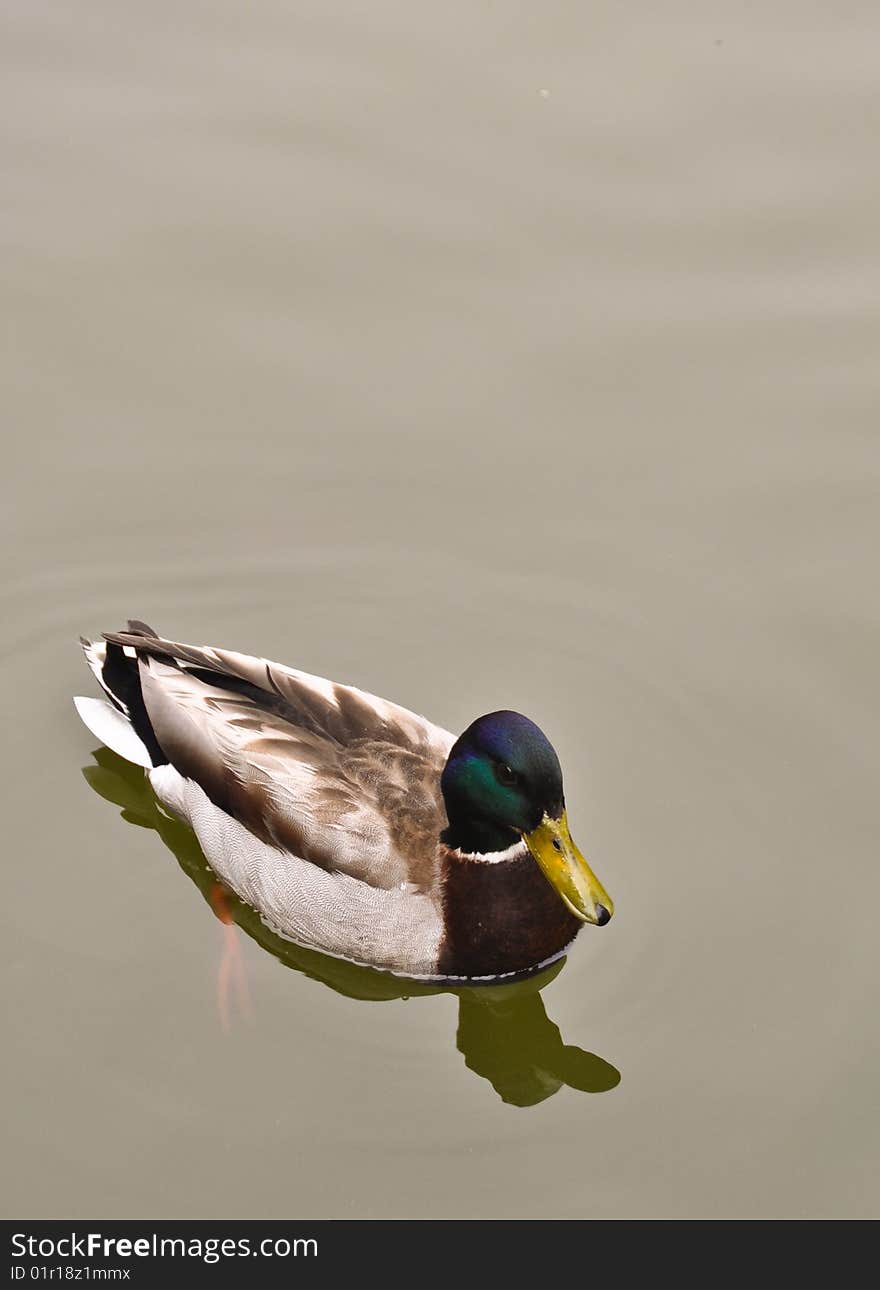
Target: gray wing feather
<point>332,912</point>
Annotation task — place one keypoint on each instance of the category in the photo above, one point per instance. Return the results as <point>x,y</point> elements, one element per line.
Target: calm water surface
<point>481,357</point>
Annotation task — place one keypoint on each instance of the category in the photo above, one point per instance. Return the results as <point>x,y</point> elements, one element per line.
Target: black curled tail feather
<point>120,677</point>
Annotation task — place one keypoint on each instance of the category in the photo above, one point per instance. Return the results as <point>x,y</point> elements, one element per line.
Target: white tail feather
<point>112,728</point>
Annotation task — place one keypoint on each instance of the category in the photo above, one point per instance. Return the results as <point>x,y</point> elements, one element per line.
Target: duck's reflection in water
<point>504,1033</point>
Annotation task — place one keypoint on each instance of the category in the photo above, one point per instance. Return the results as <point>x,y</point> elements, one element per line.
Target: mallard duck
<point>352,825</point>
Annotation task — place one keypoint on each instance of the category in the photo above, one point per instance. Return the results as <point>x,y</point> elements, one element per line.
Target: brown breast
<point>499,918</point>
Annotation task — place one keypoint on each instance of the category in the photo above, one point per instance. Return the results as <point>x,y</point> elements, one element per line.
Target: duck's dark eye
<point>505,774</point>
<point>557,845</point>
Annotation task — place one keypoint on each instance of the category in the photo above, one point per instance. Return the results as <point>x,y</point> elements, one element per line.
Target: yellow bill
<point>568,872</point>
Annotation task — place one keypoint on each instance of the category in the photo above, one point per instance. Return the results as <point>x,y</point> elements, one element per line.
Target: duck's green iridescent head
<point>503,782</point>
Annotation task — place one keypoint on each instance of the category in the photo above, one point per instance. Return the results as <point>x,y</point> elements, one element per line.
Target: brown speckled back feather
<point>338,777</point>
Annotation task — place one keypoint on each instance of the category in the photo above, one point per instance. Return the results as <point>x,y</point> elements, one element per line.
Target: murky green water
<point>479,357</point>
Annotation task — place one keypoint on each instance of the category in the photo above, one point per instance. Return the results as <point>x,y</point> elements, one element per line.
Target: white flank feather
<point>112,728</point>
<point>331,912</point>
